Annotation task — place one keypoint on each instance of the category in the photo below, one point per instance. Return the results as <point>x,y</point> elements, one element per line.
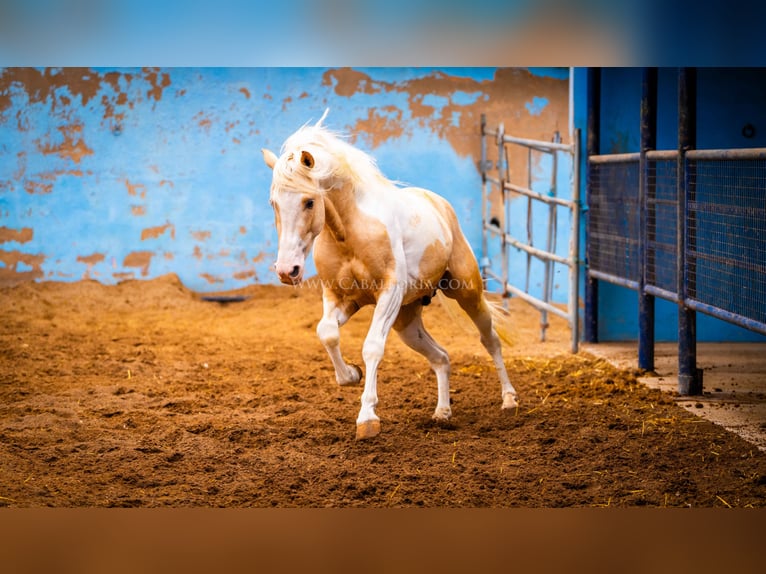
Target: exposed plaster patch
<point>347,82</point>
<point>23,235</point>
<point>201,235</point>
<point>138,210</point>
<point>37,187</point>
<point>211,278</point>
<point>244,275</point>
<point>90,261</point>
<point>155,232</point>
<point>18,267</point>
<point>158,82</point>
<point>502,99</point>
<point>245,92</point>
<point>136,189</point>
<point>141,259</point>
<point>381,124</point>
<point>72,147</point>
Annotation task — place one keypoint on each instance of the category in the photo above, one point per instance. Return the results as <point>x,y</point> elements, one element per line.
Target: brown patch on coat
<point>361,266</point>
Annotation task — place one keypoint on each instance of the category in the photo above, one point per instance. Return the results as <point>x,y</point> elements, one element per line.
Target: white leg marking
<point>328,331</point>
<point>417,338</point>
<point>386,310</point>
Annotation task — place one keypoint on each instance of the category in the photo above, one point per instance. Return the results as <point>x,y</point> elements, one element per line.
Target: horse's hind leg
<point>409,325</point>
<point>334,317</point>
<point>468,291</point>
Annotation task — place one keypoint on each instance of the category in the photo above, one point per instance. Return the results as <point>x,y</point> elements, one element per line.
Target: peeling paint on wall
<point>22,235</point>
<point>133,173</point>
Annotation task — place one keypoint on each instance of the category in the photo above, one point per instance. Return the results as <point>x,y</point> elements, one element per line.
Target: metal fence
<point>498,177</point>
<point>698,238</point>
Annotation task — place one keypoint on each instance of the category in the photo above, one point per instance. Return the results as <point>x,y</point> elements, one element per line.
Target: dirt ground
<point>142,394</point>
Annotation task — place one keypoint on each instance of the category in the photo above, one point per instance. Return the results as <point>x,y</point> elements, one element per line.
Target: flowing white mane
<point>335,161</point>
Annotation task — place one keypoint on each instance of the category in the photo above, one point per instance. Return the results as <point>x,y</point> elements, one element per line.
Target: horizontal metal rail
<point>492,275</point>
<point>662,154</point>
<point>549,199</point>
<point>614,158</point>
<point>540,144</point>
<point>727,316</point>
<point>671,154</point>
<point>537,303</point>
<point>609,278</point>
<point>494,229</point>
<point>732,210</point>
<point>534,251</point>
<point>745,153</point>
<point>661,293</point>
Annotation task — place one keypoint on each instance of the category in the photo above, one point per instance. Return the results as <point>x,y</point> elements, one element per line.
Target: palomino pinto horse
<point>374,244</point>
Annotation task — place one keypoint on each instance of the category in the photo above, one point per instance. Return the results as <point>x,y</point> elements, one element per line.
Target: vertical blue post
<point>689,377</point>
<point>646,194</point>
<point>590,318</point>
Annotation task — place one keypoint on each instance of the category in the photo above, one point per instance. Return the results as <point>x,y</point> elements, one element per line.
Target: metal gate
<point>498,176</point>
<point>684,225</point>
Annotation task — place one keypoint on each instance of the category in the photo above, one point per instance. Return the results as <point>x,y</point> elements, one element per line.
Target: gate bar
<point>539,253</point>
<point>550,199</point>
<point>689,376</point>
<point>592,148</point>
<point>536,302</point>
<point>647,221</point>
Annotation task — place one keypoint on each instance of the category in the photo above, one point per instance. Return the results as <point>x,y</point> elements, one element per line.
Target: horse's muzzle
<point>289,275</point>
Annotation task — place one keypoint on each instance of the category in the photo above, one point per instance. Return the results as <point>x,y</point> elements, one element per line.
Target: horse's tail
<point>501,319</point>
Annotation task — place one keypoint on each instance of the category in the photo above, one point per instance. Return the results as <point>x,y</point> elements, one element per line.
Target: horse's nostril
<point>296,271</point>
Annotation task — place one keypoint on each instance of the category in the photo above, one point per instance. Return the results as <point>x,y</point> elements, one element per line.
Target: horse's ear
<point>307,159</point>
<point>269,157</point>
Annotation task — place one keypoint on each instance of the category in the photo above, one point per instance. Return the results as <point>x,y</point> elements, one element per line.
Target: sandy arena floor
<point>141,394</point>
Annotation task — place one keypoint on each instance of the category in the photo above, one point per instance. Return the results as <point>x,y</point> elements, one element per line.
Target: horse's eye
<point>309,204</point>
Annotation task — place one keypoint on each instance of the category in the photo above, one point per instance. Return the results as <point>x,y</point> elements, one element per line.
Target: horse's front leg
<point>334,316</point>
<point>386,311</point>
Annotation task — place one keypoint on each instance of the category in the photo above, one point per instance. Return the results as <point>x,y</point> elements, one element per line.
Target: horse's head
<point>298,210</point>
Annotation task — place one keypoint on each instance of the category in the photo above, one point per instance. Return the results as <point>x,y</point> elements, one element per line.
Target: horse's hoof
<point>442,414</point>
<point>367,429</point>
<point>354,380</point>
<point>509,401</point>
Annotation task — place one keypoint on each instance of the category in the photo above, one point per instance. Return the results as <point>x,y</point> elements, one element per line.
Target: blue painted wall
<point>113,174</point>
<point>727,99</point>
